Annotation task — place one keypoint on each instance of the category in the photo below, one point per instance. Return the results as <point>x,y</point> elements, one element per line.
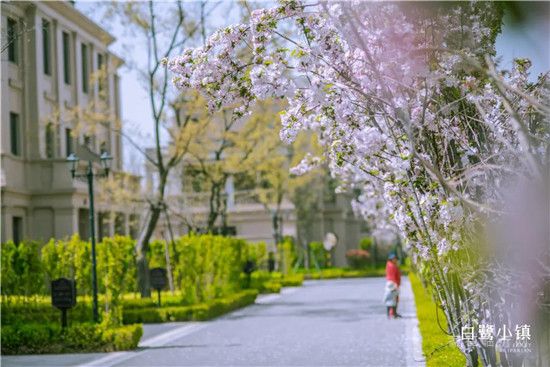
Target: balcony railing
<point>201,199</point>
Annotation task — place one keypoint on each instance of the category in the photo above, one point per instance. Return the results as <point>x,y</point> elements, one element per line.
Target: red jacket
<point>393,273</point>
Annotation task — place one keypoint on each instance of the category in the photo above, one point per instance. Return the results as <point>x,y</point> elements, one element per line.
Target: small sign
<point>63,293</point>
<point>63,296</point>
<point>158,278</point>
<point>249,267</point>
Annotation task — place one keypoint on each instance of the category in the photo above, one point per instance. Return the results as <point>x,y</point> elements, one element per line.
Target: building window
<point>99,61</point>
<point>12,40</point>
<point>84,224</point>
<point>46,47</point>
<point>85,77</point>
<point>50,141</point>
<point>15,134</point>
<point>134,225</point>
<point>17,228</point>
<point>69,141</point>
<point>103,225</point>
<point>101,79</point>
<point>66,58</point>
<point>120,224</point>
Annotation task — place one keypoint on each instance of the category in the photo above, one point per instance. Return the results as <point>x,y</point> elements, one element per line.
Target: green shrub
<point>318,254</point>
<point>166,300</point>
<point>22,270</point>
<point>286,252</point>
<point>85,337</point>
<point>197,312</point>
<point>40,310</point>
<point>334,273</point>
<point>294,280</point>
<point>122,338</point>
<point>366,243</point>
<point>331,273</point>
<point>144,315</point>
<point>266,282</point>
<point>257,252</point>
<point>270,287</point>
<point>209,266</point>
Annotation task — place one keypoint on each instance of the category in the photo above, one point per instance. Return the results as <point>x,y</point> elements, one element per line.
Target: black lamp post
<point>89,175</point>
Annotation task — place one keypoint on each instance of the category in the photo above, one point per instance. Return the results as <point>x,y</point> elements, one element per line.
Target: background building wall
<point>36,183</point>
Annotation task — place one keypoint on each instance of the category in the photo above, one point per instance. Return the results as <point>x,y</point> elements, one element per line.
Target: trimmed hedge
<point>41,311</point>
<point>198,312</point>
<point>294,280</point>
<point>266,282</point>
<point>84,337</point>
<point>336,273</point>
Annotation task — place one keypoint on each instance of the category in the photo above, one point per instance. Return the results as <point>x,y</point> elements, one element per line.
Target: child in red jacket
<point>393,275</point>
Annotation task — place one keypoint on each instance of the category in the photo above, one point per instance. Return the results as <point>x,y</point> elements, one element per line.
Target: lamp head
<point>72,160</point>
<point>106,160</point>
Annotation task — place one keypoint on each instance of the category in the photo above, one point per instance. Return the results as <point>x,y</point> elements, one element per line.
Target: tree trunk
<point>471,359</point>
<point>142,246</point>
<point>169,267</point>
<point>213,214</point>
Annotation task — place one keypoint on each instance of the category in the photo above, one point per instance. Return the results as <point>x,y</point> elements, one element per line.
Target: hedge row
<point>345,273</point>
<point>41,311</point>
<point>84,337</point>
<point>197,312</point>
<point>38,309</point>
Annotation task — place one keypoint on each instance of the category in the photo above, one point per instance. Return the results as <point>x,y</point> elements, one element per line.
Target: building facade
<point>57,72</point>
<point>251,220</point>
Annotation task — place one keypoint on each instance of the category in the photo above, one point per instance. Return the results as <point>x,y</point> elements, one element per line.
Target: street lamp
<point>105,160</point>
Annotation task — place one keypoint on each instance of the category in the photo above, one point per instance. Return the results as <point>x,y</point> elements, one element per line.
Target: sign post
<point>159,280</point>
<point>63,296</point>
<point>248,269</point>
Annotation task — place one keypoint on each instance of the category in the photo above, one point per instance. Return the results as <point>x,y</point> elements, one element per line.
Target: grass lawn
<point>433,337</point>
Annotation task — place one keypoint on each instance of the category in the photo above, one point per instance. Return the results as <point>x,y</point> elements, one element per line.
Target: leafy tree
<point>165,29</point>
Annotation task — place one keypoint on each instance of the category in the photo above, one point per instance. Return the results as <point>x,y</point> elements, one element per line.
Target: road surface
<point>323,323</point>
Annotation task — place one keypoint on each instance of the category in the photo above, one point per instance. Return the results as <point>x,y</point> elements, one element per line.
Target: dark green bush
<point>84,337</point>
<point>41,311</point>
<point>294,280</point>
<point>198,312</point>
<point>318,254</point>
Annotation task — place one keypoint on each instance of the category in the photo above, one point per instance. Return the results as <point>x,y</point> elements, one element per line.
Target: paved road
<point>323,323</point>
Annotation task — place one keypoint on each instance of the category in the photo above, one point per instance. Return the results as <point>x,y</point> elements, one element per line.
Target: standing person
<point>390,299</point>
<point>393,275</point>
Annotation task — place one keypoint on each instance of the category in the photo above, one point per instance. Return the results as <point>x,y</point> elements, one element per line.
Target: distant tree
<point>161,30</point>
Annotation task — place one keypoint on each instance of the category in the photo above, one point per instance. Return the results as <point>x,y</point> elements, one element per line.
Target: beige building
<point>56,71</point>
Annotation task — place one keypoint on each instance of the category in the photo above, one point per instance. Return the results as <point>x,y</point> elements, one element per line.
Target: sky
<point>530,39</point>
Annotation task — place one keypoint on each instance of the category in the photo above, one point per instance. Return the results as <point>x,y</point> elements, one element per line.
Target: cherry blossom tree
<point>413,111</point>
